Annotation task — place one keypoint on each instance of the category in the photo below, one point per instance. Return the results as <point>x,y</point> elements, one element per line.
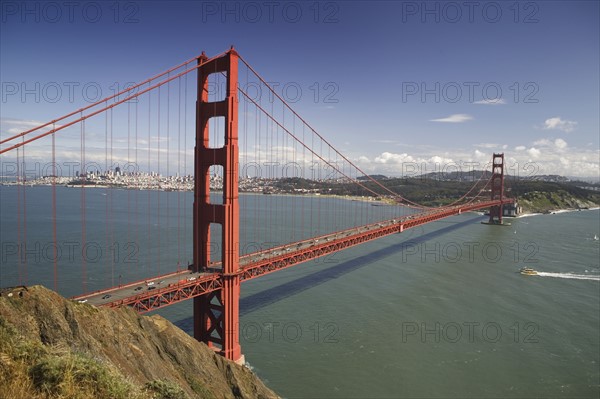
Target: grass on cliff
<point>29,369</point>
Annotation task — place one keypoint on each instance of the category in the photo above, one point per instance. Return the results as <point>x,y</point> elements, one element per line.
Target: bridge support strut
<point>216,316</point>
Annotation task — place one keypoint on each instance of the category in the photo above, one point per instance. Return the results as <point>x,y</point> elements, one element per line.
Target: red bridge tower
<point>216,315</point>
<point>497,188</point>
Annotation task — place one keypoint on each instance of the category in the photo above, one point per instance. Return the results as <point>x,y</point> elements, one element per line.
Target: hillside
<point>51,347</point>
<point>533,195</point>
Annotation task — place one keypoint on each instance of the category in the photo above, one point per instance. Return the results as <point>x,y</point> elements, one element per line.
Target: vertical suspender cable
<point>54,241</point>
<point>106,197</point>
<point>178,172</point>
<point>245,163</point>
<point>149,191</point>
<point>19,219</point>
<point>168,174</point>
<point>135,244</point>
<point>126,171</point>
<point>24,171</point>
<point>159,187</point>
<point>303,203</point>
<point>185,235</point>
<point>114,244</point>
<point>258,173</point>
<point>83,179</point>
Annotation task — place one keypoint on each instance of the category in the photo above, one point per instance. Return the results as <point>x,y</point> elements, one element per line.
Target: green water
<point>439,311</point>
<point>395,322</point>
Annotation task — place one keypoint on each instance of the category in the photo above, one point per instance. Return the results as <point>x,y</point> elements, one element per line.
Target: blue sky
<point>543,56</point>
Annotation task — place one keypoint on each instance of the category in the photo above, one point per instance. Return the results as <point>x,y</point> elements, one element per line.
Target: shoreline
<point>371,200</point>
<point>554,212</point>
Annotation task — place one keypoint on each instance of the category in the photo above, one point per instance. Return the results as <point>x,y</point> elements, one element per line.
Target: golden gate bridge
<point>229,108</point>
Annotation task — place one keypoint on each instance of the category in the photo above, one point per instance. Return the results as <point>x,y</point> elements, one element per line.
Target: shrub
<point>166,390</point>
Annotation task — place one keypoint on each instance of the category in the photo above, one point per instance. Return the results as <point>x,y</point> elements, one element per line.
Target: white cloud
<point>494,101</point>
<point>552,156</point>
<point>22,122</point>
<point>455,118</point>
<point>560,144</point>
<point>479,154</point>
<point>543,143</point>
<point>21,125</point>
<point>401,164</point>
<point>558,123</point>
<point>534,152</point>
<point>391,158</point>
<point>437,160</point>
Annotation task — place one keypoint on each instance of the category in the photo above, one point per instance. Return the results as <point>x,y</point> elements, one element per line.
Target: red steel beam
<point>132,284</point>
<point>159,298</point>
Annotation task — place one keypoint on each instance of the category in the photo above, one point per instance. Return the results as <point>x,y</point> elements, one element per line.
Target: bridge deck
<point>164,290</point>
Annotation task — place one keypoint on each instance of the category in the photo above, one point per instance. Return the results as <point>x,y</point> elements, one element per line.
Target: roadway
<point>164,290</point>
<point>186,277</point>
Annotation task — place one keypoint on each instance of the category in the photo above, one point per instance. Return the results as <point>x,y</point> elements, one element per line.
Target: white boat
<point>527,271</point>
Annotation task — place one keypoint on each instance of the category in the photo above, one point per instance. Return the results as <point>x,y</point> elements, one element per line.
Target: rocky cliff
<point>54,347</point>
<point>545,202</point>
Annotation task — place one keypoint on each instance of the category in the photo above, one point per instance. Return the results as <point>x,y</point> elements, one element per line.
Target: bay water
<point>439,311</point>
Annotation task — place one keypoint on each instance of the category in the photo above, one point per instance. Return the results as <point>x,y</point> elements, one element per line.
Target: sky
<point>386,82</point>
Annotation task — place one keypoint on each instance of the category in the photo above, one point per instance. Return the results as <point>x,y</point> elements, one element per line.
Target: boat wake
<point>570,275</point>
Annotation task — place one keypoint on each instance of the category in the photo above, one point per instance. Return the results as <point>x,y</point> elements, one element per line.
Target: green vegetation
<point>29,369</point>
<point>532,195</point>
<point>165,390</point>
<point>51,347</point>
<point>540,196</point>
<point>199,388</point>
<point>427,191</point>
<point>58,375</point>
